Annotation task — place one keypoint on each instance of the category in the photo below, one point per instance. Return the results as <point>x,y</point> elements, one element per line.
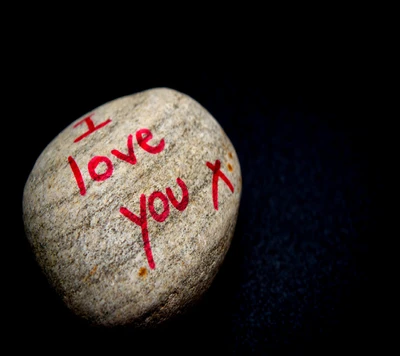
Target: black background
<point>297,278</point>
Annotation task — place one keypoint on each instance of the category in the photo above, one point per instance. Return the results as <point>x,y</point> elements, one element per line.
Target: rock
<point>131,209</point>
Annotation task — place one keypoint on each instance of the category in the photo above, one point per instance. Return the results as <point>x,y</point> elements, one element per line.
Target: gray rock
<point>131,209</point>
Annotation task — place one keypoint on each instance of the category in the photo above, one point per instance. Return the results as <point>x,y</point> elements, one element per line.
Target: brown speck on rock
<point>230,168</point>
<point>230,155</point>
<point>93,271</point>
<point>142,272</point>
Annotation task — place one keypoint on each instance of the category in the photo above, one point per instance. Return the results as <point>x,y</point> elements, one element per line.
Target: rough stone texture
<point>92,253</point>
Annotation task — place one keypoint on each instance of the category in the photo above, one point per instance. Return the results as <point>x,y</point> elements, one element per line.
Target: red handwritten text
<point>147,205</point>
<point>142,136</point>
<point>89,122</point>
<point>159,217</point>
<point>216,168</point>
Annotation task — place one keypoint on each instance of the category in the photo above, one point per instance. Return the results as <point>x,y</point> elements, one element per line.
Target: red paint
<point>94,162</point>
<point>185,196</point>
<point>142,222</point>
<point>130,157</point>
<point>158,217</point>
<point>216,168</point>
<point>142,136</point>
<point>91,127</point>
<point>77,174</point>
<point>145,135</point>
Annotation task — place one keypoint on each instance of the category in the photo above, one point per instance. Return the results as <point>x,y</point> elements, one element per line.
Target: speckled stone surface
<point>106,213</point>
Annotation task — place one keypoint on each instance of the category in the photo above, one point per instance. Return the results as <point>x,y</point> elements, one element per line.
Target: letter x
<point>216,168</point>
